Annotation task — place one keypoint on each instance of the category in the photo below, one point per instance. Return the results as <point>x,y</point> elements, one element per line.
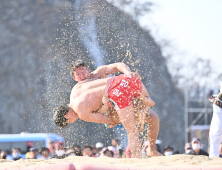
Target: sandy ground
<point>163,161</point>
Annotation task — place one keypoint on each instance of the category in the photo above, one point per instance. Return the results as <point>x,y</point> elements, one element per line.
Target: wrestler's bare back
<point>86,96</point>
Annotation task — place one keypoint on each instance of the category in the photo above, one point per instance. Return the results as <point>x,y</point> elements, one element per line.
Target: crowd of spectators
<point>59,151</point>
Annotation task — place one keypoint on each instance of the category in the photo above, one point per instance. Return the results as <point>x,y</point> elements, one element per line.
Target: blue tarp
<point>25,137</point>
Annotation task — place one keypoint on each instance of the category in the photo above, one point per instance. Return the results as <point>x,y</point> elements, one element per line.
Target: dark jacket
<point>202,152</point>
<point>15,159</point>
<point>58,157</point>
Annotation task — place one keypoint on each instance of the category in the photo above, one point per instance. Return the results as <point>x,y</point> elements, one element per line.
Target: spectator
<point>111,148</point>
<point>196,145</point>
<point>70,152</point>
<point>87,151</point>
<point>77,150</point>
<point>16,153</point>
<point>108,153</point>
<point>33,153</point>
<point>128,152</point>
<point>3,155</point>
<point>115,144</point>
<point>188,148</point>
<point>51,148</point>
<point>29,145</point>
<point>27,155</point>
<point>157,147</point>
<point>99,147</point>
<point>120,153</point>
<point>95,151</point>
<point>220,150</point>
<point>44,152</point>
<point>168,151</point>
<point>176,152</point>
<point>59,150</point>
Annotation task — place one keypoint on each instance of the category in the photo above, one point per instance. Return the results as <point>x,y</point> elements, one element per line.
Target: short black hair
<point>87,146</point>
<point>75,65</point>
<point>107,150</point>
<point>16,148</point>
<point>78,153</point>
<point>58,117</point>
<point>73,147</point>
<point>168,147</point>
<point>43,149</point>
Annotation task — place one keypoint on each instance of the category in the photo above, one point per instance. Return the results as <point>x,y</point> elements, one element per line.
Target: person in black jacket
<point>196,146</point>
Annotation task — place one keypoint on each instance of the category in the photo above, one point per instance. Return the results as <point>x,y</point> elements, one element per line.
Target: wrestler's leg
<point>145,97</point>
<point>152,119</point>
<point>127,118</point>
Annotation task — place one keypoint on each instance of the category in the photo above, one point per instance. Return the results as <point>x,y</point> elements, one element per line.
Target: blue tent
<point>25,137</point>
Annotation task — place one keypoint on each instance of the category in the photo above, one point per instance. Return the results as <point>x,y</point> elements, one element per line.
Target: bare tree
<point>133,7</point>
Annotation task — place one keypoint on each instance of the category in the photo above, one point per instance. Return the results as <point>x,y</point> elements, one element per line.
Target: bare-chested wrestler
<point>86,98</point>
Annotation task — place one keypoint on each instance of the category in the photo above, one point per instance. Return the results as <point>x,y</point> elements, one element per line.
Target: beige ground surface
<point>164,161</point>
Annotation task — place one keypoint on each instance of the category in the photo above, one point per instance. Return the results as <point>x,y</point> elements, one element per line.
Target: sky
<point>194,26</point>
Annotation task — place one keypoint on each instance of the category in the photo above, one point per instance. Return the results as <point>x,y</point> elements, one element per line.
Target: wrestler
<point>80,72</point>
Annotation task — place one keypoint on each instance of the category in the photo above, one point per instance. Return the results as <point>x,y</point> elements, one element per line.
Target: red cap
<point>58,144</point>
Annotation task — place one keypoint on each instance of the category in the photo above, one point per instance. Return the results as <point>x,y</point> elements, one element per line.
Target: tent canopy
<point>25,137</point>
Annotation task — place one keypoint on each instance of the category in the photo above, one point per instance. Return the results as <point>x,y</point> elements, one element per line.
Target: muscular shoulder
<point>75,90</point>
<point>80,107</point>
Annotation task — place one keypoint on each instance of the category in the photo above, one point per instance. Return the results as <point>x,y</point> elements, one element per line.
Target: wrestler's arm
<point>85,114</point>
<point>96,118</point>
<point>105,70</point>
<point>102,109</point>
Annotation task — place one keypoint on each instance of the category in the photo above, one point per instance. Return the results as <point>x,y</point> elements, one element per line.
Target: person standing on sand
<point>115,144</point>
<point>215,134</point>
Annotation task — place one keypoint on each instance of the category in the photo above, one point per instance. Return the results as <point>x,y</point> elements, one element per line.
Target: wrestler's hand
<point>137,75</point>
<point>111,125</point>
<point>105,100</point>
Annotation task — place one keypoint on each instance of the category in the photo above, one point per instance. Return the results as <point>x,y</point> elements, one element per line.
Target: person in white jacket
<point>215,134</point>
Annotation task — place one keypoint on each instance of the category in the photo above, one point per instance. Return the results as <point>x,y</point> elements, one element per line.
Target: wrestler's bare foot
<point>153,152</point>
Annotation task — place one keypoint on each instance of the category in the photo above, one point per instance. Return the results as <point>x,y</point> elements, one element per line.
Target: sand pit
<point>164,162</point>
